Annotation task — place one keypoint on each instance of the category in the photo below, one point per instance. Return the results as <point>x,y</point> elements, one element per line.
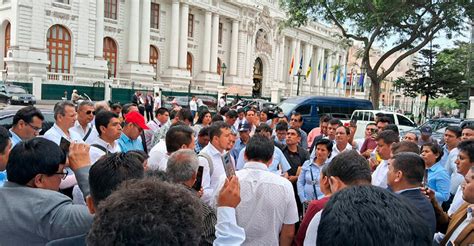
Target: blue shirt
<point>438,181</point>
<point>304,140</point>
<point>238,146</point>
<point>14,138</point>
<point>197,146</point>
<point>126,144</point>
<point>306,190</point>
<point>278,158</point>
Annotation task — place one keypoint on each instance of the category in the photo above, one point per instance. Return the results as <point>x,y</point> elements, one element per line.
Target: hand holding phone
<point>228,165</point>
<point>197,185</point>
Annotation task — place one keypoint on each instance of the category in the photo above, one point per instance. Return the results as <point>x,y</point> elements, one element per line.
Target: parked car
<point>365,117</point>
<point>313,107</point>
<point>438,127</point>
<point>468,122</point>
<point>15,94</point>
<point>6,119</point>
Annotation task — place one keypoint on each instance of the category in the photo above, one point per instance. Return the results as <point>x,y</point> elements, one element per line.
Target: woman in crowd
<point>205,119</point>
<point>436,177</point>
<point>308,181</point>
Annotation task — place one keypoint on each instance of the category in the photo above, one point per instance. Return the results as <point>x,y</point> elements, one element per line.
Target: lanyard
<point>312,181</point>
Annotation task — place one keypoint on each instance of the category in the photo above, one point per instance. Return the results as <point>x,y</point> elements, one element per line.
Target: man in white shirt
<point>267,210</point>
<point>385,139</point>
<point>342,141</point>
<point>240,117</point>
<point>220,136</point>
<point>347,169</point>
<point>65,116</point>
<point>464,162</point>
<point>108,126</point>
<point>83,126</point>
<point>178,137</point>
<point>162,116</point>
<point>193,106</point>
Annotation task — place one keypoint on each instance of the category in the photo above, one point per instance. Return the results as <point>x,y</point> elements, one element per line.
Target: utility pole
<point>299,75</point>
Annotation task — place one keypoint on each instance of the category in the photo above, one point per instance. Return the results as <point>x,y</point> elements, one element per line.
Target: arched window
<point>154,56</point>
<point>58,44</point>
<point>219,66</point>
<point>110,55</point>
<point>7,43</point>
<point>189,64</point>
<point>7,39</point>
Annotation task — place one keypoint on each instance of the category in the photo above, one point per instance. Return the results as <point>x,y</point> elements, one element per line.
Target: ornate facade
<point>167,44</point>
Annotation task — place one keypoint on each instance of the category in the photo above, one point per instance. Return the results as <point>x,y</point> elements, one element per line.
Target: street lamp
<point>223,69</point>
<point>299,77</point>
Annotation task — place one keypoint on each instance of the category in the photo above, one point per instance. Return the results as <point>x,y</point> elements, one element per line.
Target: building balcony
<point>60,77</point>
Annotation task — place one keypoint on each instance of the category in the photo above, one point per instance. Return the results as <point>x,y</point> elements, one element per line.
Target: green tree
<point>414,23</point>
<point>445,104</point>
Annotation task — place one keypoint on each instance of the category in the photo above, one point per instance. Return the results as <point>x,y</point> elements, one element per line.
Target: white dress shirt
<point>267,203</point>
<point>312,231</point>
<point>210,182</point>
<point>55,133</point>
<point>227,230</point>
<point>457,202</point>
<point>154,126</point>
<point>379,176</point>
<point>335,150</point>
<point>461,226</point>
<point>77,128</point>
<point>157,153</point>
<point>95,153</point>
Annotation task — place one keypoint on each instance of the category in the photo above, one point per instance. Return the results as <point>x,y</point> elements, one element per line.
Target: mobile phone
<point>64,145</point>
<point>228,166</point>
<point>197,185</point>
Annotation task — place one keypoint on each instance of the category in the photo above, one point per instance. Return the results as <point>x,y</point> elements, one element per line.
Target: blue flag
<point>325,71</point>
<point>361,80</point>
<point>338,76</point>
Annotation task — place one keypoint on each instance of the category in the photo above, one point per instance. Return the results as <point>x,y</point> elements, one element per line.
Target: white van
<point>365,117</point>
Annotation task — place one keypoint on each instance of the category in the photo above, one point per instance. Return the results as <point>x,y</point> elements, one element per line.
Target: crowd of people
<point>187,176</point>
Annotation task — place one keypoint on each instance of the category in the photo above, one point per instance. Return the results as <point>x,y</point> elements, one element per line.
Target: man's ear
<point>38,180</point>
<point>90,204</point>
<point>336,184</point>
<point>398,176</point>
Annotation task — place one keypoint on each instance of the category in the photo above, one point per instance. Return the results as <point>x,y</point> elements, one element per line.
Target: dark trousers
<point>149,112</point>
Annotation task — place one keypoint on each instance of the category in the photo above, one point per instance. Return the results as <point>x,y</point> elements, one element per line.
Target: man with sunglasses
<point>133,126</point>
<point>27,124</point>
<point>83,126</point>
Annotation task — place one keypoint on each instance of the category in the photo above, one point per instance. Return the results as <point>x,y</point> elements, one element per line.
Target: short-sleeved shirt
<point>267,202</point>
<point>127,144</point>
<point>296,159</point>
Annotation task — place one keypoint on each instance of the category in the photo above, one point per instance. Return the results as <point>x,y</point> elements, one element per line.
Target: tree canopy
<point>413,23</point>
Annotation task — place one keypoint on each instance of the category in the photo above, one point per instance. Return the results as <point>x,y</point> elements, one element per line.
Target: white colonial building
<point>165,44</point>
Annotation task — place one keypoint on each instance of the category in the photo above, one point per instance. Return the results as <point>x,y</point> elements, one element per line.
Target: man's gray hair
<point>182,165</point>
<point>102,105</point>
<point>84,103</point>
<point>59,108</point>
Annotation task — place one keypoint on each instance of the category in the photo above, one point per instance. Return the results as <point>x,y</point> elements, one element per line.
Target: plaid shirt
<point>197,147</point>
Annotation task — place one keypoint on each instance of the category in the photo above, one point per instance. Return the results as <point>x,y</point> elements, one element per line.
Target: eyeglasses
<point>90,112</point>
<point>37,129</point>
<point>64,173</point>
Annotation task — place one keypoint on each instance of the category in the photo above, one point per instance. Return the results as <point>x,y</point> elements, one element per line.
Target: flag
<point>344,79</point>
<point>350,78</point>
<point>309,69</point>
<point>301,63</point>
<point>325,71</point>
<point>338,75</point>
<point>361,80</point>
<point>292,64</point>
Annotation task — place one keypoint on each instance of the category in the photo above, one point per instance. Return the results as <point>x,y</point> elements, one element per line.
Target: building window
<point>189,64</point>
<point>110,9</point>
<point>110,55</point>
<point>155,16</point>
<point>220,33</point>
<point>154,56</point>
<point>190,25</point>
<point>58,44</point>
<point>62,1</point>
<point>7,39</point>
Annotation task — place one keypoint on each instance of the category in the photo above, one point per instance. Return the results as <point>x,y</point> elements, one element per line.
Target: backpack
<point>209,161</point>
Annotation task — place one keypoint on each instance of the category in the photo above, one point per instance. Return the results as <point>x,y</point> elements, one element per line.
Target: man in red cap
<point>133,126</point>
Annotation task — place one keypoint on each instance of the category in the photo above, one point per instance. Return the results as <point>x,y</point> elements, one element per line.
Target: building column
<point>145,32</point>
<point>206,51</point>
<point>281,62</point>
<point>133,31</point>
<point>329,76</point>
<point>276,63</point>
<point>174,40</point>
<point>183,36</point>
<point>214,44</point>
<point>99,29</point>
<point>234,48</point>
